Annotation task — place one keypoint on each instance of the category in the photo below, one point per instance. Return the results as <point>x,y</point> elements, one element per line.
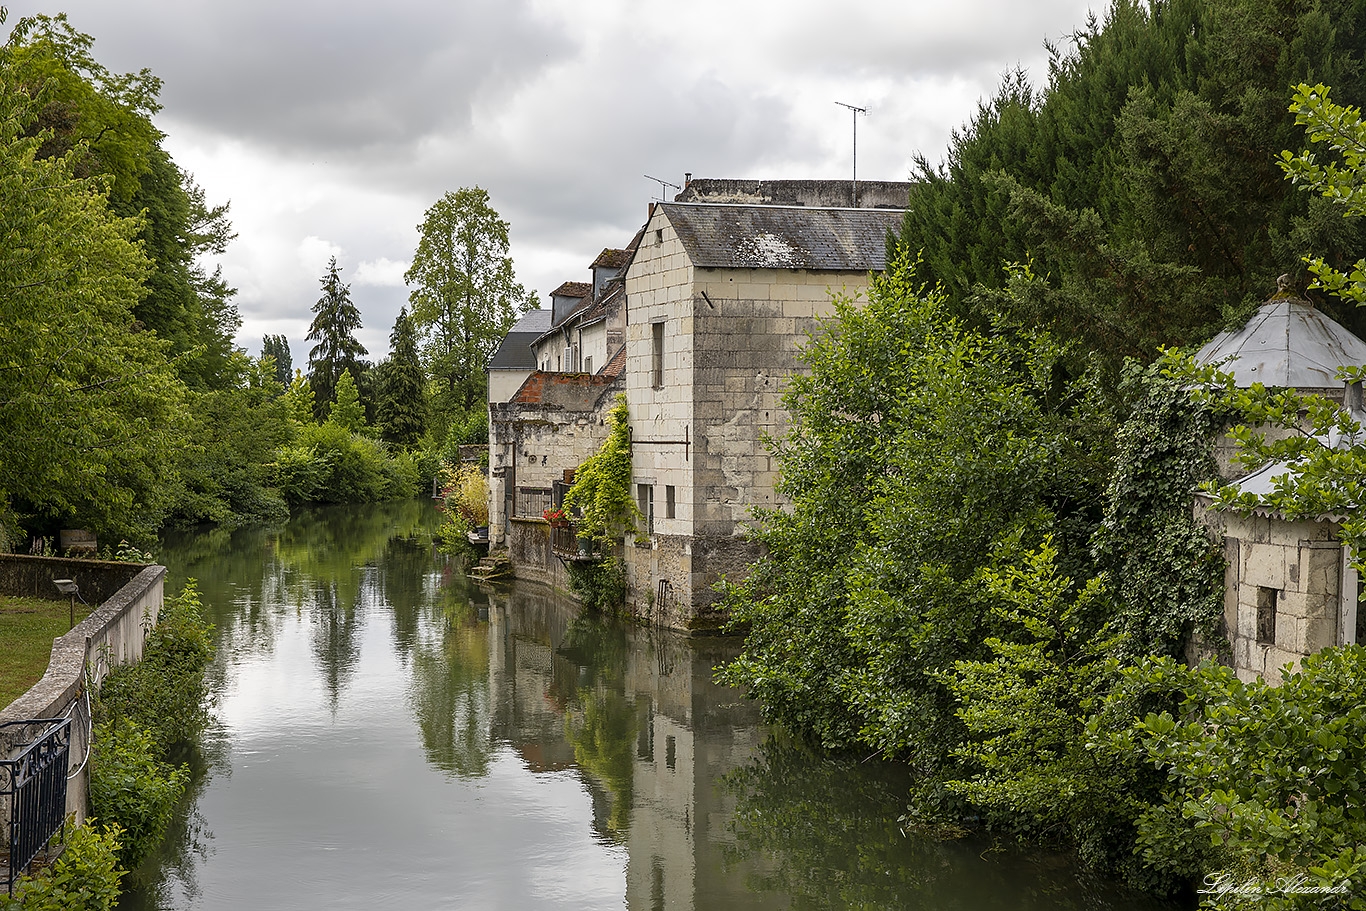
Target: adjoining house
<point>1289,587</point>
<point>699,320</point>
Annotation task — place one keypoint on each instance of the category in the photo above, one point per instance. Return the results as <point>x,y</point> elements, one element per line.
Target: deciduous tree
<point>464,296</point>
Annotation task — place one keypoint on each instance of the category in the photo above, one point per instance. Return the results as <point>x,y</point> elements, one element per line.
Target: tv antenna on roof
<point>856,111</point>
<point>662,184</point>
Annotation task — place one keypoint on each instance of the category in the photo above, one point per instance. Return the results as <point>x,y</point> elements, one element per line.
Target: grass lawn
<point>27,628</point>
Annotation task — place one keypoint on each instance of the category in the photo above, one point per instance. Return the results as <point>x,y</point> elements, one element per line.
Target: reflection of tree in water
<point>600,721</point>
<point>405,571</point>
<point>450,696</point>
<point>827,833</point>
<point>254,579</point>
<point>335,625</point>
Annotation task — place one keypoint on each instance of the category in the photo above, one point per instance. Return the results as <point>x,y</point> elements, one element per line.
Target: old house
<point>1289,587</point>
<point>710,302</point>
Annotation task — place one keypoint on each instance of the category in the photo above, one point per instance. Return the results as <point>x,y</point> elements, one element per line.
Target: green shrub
<point>85,878</point>
<point>164,694</point>
<point>132,789</point>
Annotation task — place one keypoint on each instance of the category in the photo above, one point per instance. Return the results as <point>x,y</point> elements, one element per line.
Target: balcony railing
<point>567,544</point>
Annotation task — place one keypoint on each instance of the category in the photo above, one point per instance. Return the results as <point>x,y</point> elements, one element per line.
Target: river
<point>390,735</point>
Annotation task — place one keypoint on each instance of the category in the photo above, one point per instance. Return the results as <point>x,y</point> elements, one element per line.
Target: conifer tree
<point>347,412</point>
<point>277,347</point>
<point>402,410</point>
<point>334,323</point>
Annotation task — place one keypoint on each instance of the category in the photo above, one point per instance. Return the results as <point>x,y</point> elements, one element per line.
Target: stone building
<point>698,321</point>
<point>1289,587</point>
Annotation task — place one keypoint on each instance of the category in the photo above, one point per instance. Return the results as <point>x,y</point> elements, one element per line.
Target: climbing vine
<point>602,484</point>
<point>1167,573</point>
<point>602,494</point>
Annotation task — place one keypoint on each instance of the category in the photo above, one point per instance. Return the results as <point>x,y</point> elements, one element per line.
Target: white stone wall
<point>1302,562</point>
<point>730,343</point>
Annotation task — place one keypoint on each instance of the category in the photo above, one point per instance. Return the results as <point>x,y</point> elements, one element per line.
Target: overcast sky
<point>331,127</point>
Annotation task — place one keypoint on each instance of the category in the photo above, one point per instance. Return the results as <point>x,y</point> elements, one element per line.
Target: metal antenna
<point>662,185</point>
<point>856,111</point>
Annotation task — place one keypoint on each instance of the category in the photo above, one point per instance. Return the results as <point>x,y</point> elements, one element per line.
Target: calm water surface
<point>392,736</point>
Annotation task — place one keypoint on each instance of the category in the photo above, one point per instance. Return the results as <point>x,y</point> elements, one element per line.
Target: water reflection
<point>393,735</point>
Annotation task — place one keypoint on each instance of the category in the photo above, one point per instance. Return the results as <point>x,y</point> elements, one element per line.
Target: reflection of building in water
<point>637,713</point>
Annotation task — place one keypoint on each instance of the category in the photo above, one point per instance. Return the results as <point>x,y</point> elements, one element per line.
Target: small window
<point>1266,615</point>
<point>645,501</point>
<point>657,354</point>
<point>588,365</point>
<point>668,501</point>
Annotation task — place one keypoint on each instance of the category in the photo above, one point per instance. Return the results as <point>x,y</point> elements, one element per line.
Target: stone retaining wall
<point>112,634</point>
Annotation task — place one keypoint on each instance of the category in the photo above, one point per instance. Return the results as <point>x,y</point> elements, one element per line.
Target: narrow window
<point>588,365</point>
<point>668,501</point>
<point>1266,615</point>
<point>645,501</point>
<point>657,358</point>
<point>670,751</point>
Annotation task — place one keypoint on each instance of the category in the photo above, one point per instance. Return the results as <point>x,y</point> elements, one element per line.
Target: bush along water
<point>149,716</point>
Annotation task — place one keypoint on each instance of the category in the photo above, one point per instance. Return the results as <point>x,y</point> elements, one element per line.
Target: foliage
<point>224,472</point>
<point>599,586</point>
<point>1166,572</point>
<point>164,694</point>
<point>335,322</point>
<point>102,121</point>
<point>1142,180</point>
<point>467,490</point>
<point>347,412</point>
<point>329,465</point>
<point>401,411</point>
<point>132,790</point>
<point>276,347</point>
<point>1342,131</point>
<point>1266,784</point>
<point>299,399</point>
<point>464,297</point>
<point>85,878</point>
<point>918,448</point>
<point>90,405</point>
<point>602,484</point>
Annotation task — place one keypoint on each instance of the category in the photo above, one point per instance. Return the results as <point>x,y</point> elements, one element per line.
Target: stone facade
<point>709,350</point>
<point>1289,590</point>
<point>701,319</point>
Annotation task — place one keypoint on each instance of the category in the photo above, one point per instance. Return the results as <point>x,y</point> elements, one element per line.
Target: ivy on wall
<point>602,493</point>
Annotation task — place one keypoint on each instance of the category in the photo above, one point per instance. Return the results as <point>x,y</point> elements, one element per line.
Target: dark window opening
<point>657,354</point>
<point>1266,615</point>
<point>670,751</point>
<point>668,501</point>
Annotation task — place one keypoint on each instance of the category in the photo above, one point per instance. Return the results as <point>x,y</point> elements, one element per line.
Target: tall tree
<point>464,296</point>
<point>277,347</point>
<point>334,323</point>
<point>104,121</point>
<point>1141,183</point>
<point>90,407</point>
<point>402,408</point>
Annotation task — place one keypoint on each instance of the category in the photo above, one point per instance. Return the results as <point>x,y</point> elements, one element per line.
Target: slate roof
<point>719,236</point>
<point>515,351</point>
<point>1286,343</point>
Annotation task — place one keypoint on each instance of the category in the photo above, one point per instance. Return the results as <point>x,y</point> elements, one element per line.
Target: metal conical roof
<point>1286,343</point>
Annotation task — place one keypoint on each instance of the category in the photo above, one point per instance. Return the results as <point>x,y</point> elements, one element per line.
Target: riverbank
<point>28,627</point>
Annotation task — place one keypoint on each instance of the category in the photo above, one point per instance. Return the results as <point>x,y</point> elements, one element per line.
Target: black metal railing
<point>33,784</point>
<point>567,544</point>
<point>532,502</point>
